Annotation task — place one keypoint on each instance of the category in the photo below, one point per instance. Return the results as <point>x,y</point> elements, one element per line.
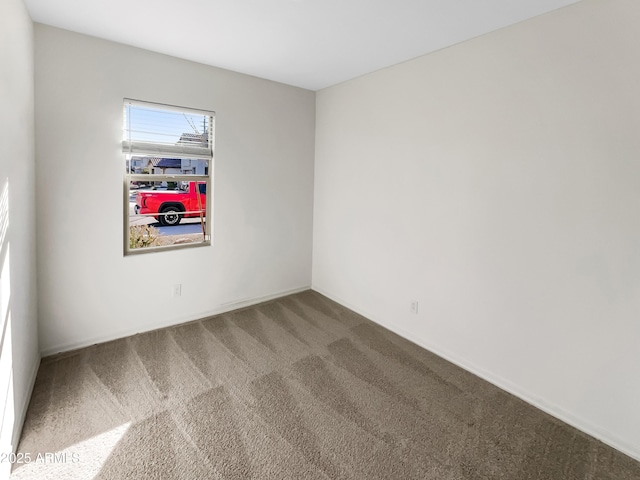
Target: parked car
<point>169,206</point>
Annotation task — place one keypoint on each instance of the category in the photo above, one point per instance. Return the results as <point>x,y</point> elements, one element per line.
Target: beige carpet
<point>296,388</point>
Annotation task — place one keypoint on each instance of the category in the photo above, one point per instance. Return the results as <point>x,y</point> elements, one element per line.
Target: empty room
<point>304,239</point>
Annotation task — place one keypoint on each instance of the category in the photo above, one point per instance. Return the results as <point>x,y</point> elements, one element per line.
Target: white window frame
<point>171,151</point>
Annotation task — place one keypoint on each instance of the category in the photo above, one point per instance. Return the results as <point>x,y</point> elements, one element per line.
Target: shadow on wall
<point>7,400</point>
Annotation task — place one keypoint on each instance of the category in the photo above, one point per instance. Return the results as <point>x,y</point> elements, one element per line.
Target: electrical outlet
<point>177,290</point>
<point>414,307</point>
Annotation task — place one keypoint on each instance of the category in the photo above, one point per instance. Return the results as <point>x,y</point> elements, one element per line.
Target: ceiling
<point>307,43</point>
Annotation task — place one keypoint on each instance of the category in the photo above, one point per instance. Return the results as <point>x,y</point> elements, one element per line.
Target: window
<point>168,154</point>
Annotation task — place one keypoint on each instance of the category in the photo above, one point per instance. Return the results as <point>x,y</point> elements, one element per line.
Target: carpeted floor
<point>296,388</point>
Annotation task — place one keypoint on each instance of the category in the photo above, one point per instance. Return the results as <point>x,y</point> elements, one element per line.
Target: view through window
<point>168,162</point>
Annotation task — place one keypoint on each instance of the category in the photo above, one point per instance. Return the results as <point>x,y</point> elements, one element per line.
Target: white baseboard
<point>222,308</point>
<point>22,414</point>
<point>552,409</point>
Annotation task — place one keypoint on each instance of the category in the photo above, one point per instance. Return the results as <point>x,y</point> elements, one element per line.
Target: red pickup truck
<point>170,206</point>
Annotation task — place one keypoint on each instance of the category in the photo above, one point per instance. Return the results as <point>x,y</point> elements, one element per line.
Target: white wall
<point>497,182</point>
<point>263,191</point>
<point>19,358</point>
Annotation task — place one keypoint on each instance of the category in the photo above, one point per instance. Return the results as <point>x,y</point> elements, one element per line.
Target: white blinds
<point>166,131</point>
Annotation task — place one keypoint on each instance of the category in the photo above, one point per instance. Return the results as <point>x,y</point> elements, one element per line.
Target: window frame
<point>129,177</point>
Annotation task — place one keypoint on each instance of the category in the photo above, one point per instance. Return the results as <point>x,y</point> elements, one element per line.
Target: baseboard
<point>19,423</point>
<point>552,409</point>
<point>222,308</point>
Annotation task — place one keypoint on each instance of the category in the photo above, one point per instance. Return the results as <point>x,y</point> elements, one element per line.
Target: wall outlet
<point>414,307</point>
<point>177,290</point>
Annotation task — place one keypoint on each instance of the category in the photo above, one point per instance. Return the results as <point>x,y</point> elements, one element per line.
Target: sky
<point>150,124</point>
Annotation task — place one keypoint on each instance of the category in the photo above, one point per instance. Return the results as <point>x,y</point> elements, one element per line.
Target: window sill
<point>165,248</point>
